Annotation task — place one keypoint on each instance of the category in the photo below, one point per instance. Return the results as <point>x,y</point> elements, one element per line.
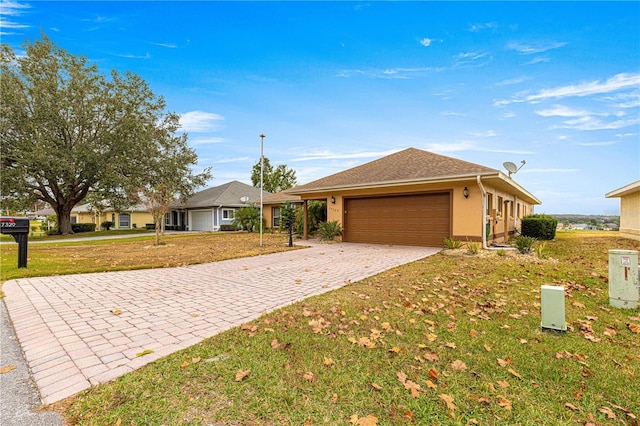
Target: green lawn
<point>446,340</point>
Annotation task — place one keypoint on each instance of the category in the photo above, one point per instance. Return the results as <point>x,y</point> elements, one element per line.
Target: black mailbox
<point>18,227</point>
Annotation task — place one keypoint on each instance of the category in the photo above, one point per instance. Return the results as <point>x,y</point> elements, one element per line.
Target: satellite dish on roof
<point>244,199</point>
<point>512,168</point>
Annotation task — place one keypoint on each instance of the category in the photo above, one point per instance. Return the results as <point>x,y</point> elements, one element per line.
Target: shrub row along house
<point>412,197</point>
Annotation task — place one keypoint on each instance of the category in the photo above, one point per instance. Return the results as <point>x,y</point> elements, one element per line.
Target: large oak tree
<point>67,130</point>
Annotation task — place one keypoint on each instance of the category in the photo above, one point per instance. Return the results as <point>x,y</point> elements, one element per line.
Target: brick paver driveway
<point>81,330</point>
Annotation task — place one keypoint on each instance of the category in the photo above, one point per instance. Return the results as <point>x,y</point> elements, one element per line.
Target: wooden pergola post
<point>305,209</point>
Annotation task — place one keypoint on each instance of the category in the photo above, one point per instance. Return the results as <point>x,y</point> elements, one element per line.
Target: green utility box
<point>623,279</point>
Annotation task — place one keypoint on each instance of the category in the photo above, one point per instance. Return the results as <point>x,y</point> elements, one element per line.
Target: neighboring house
<point>415,197</point>
<point>272,205</point>
<point>136,216</point>
<point>207,210</point>
<point>629,209</point>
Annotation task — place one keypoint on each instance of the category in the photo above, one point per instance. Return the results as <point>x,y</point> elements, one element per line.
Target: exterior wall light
<point>465,192</point>
<point>333,199</point>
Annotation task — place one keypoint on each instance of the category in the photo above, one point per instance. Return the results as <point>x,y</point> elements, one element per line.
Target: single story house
<point>272,204</point>
<point>629,209</point>
<point>208,209</point>
<point>136,216</point>
<point>415,197</point>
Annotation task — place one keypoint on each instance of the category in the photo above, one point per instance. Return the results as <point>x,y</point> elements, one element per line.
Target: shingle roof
<point>230,194</point>
<point>281,197</point>
<point>410,164</point>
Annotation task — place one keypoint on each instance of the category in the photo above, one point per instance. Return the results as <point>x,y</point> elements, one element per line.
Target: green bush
<point>106,225</point>
<point>83,227</point>
<point>227,227</point>
<point>473,247</point>
<point>539,226</point>
<point>316,214</point>
<point>524,243</point>
<point>248,218</point>
<point>541,250</point>
<point>149,226</point>
<point>328,231</point>
<point>452,243</point>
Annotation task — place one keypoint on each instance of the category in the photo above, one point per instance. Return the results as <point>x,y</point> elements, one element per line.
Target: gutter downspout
<point>515,213</point>
<point>484,209</point>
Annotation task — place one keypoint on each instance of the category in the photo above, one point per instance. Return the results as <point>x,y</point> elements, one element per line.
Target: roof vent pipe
<point>484,209</point>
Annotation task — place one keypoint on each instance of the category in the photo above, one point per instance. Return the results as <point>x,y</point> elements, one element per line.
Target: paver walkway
<point>80,330</point>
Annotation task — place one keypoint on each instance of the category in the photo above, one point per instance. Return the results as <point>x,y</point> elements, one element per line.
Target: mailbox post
<point>18,228</point>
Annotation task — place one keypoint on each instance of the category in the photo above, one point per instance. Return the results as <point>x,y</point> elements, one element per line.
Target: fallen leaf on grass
<point>503,383</point>
<point>487,348</point>
<point>376,386</point>
<point>6,369</point>
<point>433,374</point>
<point>572,407</point>
<point>363,421</point>
<point>328,362</point>
<point>431,385</point>
<point>635,328</point>
<point>275,344</point>
<point>458,365</point>
<point>196,360</point>
<point>334,398</point>
<point>448,400</point>
<point>309,377</point>
<point>504,402</point>
<point>608,412</point>
<point>242,374</point>
<point>184,364</point>
<point>515,373</point>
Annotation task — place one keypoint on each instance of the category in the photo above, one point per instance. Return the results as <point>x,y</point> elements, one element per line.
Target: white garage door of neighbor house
<point>202,221</point>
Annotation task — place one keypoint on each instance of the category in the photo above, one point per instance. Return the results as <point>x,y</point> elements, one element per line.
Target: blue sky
<point>335,84</point>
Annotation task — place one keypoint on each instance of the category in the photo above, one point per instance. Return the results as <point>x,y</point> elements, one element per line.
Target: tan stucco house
<point>135,216</point>
<point>272,205</point>
<point>629,209</point>
<point>416,197</point>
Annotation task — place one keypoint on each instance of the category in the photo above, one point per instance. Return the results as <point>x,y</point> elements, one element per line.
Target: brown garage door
<point>419,220</point>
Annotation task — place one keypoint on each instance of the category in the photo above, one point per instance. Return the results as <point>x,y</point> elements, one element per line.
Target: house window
<point>500,203</point>
<point>276,217</point>
<point>167,219</point>
<point>511,209</point>
<point>124,220</point>
<point>227,214</point>
<point>489,204</point>
<point>518,210</point>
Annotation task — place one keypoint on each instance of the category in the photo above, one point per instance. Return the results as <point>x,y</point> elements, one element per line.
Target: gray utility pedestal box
<point>623,278</point>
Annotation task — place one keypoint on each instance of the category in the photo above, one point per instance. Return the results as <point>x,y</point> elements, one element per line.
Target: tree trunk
<point>158,229</point>
<point>63,213</point>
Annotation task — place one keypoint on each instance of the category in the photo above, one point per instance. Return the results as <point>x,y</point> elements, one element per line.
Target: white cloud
<point>200,121</point>
<point>512,81</point>
<point>564,111</point>
<point>508,115</point>
<point>231,160</point>
<point>593,123</point>
<point>617,82</point>
<point>625,135</point>
<point>11,9</point>
<point>538,60</point>
<point>550,170</point>
<point>471,59</point>
<point>596,143</point>
<point>329,155</point>
<point>207,141</point>
<point>483,26</point>
<point>132,56</point>
<point>539,47</point>
<point>426,42</point>
<point>487,134</point>
<point>167,45</point>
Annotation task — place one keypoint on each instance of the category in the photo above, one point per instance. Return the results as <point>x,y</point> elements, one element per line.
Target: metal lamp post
<point>261,180</point>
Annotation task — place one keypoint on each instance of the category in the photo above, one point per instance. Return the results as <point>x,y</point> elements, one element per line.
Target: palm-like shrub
<point>328,231</point>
